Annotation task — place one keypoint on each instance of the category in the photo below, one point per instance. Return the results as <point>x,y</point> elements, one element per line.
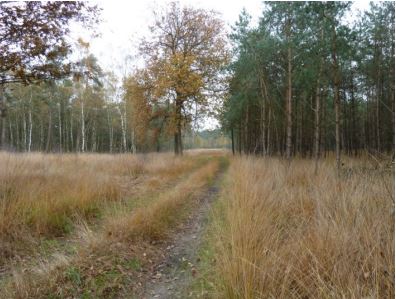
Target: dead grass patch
<point>108,265</point>
<point>288,233</point>
<point>154,221</point>
<point>43,195</point>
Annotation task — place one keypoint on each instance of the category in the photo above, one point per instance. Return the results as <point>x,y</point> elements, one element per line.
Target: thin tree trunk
<point>123,129</point>
<point>49,132</point>
<point>3,113</point>
<point>82,127</point>
<point>323,132</point>
<point>93,148</point>
<point>366,124</point>
<point>17,131</point>
<point>66,136</point>
<point>24,131</point>
<point>317,127</point>
<point>30,122</point>
<point>246,131</point>
<point>289,95</point>
<point>344,123</point>
<point>11,133</point>
<point>178,139</point>
<point>268,151</point>
<point>71,130</point>
<point>133,144</point>
<point>41,134</point>
<point>392,97</point>
<point>29,147</point>
<point>377,114</point>
<point>289,107</point>
<point>176,147</point>
<point>317,116</point>
<point>110,125</point>
<point>60,127</point>
<point>353,108</point>
<point>3,130</point>
<point>264,96</point>
<point>240,137</point>
<point>262,129</point>
<point>337,124</point>
<point>336,81</point>
<point>232,142</point>
<point>78,139</point>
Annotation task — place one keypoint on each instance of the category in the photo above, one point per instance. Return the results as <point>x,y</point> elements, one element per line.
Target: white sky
<point>126,22</point>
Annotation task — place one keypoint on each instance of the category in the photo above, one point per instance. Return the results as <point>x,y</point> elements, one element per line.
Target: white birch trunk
<point>60,127</point>
<point>24,132</point>
<point>30,123</point>
<point>110,125</point>
<point>71,129</point>
<point>123,128</point>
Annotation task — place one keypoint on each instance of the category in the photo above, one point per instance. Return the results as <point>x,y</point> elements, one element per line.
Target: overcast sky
<point>124,23</point>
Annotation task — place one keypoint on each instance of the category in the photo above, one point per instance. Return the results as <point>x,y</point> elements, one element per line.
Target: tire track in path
<point>171,277</point>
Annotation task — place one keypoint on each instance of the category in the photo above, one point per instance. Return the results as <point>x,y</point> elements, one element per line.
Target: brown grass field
<point>42,195</point>
<point>287,233</point>
<point>93,225</point>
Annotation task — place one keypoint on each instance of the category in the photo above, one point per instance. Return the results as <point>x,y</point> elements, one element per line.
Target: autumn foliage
<point>183,58</point>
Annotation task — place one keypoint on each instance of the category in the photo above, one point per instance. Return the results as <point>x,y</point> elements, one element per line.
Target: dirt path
<point>133,191</point>
<point>171,277</point>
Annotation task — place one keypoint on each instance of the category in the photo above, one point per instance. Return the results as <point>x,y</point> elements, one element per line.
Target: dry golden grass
<point>107,265</point>
<point>44,194</point>
<point>287,233</point>
<point>154,221</point>
<point>207,151</point>
<point>99,269</point>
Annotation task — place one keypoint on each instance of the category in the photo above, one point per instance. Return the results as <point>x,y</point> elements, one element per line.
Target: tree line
<point>67,116</point>
<point>52,104</point>
<point>305,81</point>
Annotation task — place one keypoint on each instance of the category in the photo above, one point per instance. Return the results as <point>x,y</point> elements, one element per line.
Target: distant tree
<point>184,56</point>
<point>137,93</point>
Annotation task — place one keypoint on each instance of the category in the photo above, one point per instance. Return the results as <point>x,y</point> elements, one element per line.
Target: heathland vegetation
<point>294,198</point>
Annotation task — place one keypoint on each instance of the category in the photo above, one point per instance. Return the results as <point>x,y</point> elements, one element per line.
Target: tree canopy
<point>184,57</point>
<point>33,38</point>
<point>304,81</point>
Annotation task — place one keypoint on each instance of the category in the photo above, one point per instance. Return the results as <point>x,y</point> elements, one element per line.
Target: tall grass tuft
<point>45,194</point>
<point>154,221</point>
<point>287,233</point>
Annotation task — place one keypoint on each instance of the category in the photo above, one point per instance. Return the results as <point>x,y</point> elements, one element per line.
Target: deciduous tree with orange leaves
<point>184,57</point>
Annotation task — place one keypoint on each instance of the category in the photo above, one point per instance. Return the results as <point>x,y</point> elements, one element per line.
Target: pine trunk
<point>336,82</point>
<point>289,106</point>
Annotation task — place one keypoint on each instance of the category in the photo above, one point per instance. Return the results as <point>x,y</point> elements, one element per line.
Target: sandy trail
<point>171,277</point>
